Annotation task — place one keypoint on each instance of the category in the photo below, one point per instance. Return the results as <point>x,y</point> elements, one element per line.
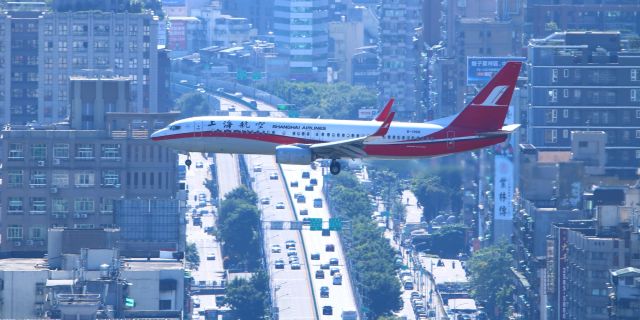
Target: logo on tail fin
<point>494,96</point>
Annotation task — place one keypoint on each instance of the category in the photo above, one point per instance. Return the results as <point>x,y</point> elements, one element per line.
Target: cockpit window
<point>174,127</point>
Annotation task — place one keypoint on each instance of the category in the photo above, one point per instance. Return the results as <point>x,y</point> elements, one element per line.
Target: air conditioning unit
<point>40,163</point>
<point>17,243</point>
<point>55,215</point>
<point>56,162</point>
<point>83,215</point>
<point>54,190</point>
<point>29,242</point>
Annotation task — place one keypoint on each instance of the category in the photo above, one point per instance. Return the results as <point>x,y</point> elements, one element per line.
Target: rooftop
<point>450,272</point>
<point>23,264</point>
<point>152,264</point>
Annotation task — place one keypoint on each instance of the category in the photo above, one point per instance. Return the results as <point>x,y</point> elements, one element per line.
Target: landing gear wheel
<point>334,167</point>
<point>187,163</point>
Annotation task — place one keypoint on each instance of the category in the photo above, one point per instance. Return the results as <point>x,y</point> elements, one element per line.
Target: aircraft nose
<point>158,134</point>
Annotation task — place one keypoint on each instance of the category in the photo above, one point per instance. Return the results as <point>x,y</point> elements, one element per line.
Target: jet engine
<point>294,155</point>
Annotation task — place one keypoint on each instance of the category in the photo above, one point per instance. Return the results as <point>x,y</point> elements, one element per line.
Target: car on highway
<point>293,259</point>
<point>293,184</point>
<point>319,274</point>
<point>306,221</point>
<point>295,265</point>
<point>327,310</point>
<point>313,182</point>
<point>273,176</point>
<point>315,256</point>
<point>329,248</point>
<point>333,261</point>
<point>196,302</point>
<point>308,187</point>
<point>337,279</point>
<point>279,264</point>
<point>324,266</point>
<point>275,248</point>
<point>211,256</point>
<point>280,205</point>
<point>257,168</point>
<point>304,212</point>
<point>334,270</point>
<point>324,292</point>
<point>305,175</point>
<point>291,252</point>
<point>199,164</point>
<point>202,196</point>
<point>265,201</point>
<point>301,199</point>
<point>326,232</point>
<point>317,203</point>
<point>290,244</point>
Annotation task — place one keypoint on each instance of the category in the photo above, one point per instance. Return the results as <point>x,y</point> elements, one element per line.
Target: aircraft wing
<point>350,148</point>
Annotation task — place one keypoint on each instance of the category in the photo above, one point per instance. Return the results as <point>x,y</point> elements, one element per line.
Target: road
<point>341,296</point>
<point>210,272</point>
<point>291,288</point>
<point>228,173</point>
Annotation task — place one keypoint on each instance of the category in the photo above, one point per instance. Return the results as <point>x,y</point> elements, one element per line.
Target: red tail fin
<point>488,109</point>
<point>385,111</point>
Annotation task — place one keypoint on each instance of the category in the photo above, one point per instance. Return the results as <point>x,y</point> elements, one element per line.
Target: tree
<point>191,254</point>
<point>193,104</point>
<point>238,229</point>
<point>488,276</point>
<point>449,240</point>
<point>243,193</point>
<point>431,195</point>
<point>248,299</point>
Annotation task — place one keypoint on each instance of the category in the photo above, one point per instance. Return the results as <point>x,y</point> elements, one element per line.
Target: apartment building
<point>586,81</point>
<point>41,49</point>
<point>71,174</point>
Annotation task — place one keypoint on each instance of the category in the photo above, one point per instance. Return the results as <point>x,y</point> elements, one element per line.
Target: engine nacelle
<point>294,155</point>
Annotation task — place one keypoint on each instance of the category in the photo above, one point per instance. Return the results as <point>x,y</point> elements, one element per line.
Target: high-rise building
<point>259,12</point>
<point>399,62</point>
<point>301,37</point>
<point>44,48</point>
<point>585,81</point>
<point>624,292</point>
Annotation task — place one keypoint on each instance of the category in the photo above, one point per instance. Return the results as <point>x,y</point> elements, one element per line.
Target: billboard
<point>563,268</point>
<point>481,69</point>
<point>504,175</point>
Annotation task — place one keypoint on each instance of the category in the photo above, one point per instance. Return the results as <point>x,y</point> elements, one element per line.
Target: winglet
<point>384,128</point>
<point>385,111</point>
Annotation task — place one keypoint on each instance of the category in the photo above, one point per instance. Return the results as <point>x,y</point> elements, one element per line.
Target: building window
<point>110,151</point>
<point>133,46</point>
<point>638,134</point>
<point>565,93</point>
<point>14,232</point>
<point>553,95</point>
<point>119,63</point>
<point>634,74</point>
<point>62,46</point>
<point>637,154</point>
<point>37,233</point>
<point>60,179</point>
<point>565,134</point>
<point>38,205</point>
<point>84,205</point>
<point>551,116</point>
<point>550,135</point>
<point>565,73</point>
<point>634,94</point>
<point>38,179</point>
<point>48,28</point>
<point>15,178</point>
<point>165,305</point>
<point>39,151</point>
<point>554,75</point>
<point>16,151</point>
<point>133,29</point>
<point>133,63</point>
<point>15,205</point>
<point>110,178</point>
<point>61,151</point>
<point>565,113</point>
<point>62,29</point>
<point>106,205</point>
<point>84,179</point>
<point>84,151</point>
<point>59,206</point>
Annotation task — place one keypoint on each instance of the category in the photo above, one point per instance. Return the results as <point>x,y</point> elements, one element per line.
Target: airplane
<point>302,141</point>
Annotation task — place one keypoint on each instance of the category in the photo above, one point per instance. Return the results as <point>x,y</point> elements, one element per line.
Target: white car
<point>273,176</point>
<point>199,164</point>
<point>275,248</point>
<point>257,168</point>
<point>280,205</point>
<point>265,201</point>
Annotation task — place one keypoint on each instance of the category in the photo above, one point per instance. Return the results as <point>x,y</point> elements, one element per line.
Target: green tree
<point>431,195</point>
<point>448,241</point>
<point>193,104</point>
<point>244,194</point>
<point>488,276</point>
<point>238,229</point>
<point>248,300</point>
<point>191,254</point>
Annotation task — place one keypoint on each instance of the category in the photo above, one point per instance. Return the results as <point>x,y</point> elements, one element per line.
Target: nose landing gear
<point>334,167</point>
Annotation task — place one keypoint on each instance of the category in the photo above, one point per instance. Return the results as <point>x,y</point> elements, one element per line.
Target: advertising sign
<point>563,266</point>
<point>481,69</point>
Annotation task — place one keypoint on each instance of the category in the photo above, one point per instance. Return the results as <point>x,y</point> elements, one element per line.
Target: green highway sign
<point>294,114</point>
<point>257,75</point>
<point>315,224</point>
<point>241,74</point>
<point>335,224</point>
<point>283,107</point>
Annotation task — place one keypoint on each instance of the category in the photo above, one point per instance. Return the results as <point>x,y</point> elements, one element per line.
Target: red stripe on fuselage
<point>422,149</point>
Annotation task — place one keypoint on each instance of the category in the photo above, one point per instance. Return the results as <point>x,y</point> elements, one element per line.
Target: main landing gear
<point>334,167</point>
<point>188,162</point>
